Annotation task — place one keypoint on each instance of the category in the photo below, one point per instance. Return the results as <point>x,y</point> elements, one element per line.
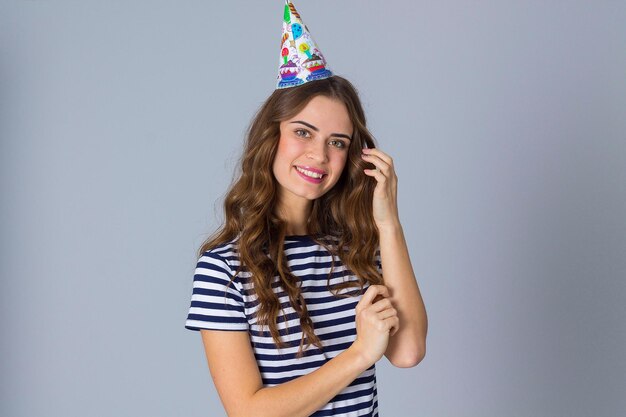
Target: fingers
<point>377,298</point>
<point>390,324</point>
<point>394,325</point>
<point>376,174</point>
<point>376,302</point>
<point>380,165</point>
<point>379,159</point>
<point>372,292</point>
<point>381,305</point>
<point>381,299</point>
<point>379,154</point>
<point>389,312</point>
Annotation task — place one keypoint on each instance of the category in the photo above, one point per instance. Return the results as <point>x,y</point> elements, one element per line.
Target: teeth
<point>309,173</point>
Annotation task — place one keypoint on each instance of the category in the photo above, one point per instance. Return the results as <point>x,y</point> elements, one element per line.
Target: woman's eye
<point>304,132</point>
<point>338,143</point>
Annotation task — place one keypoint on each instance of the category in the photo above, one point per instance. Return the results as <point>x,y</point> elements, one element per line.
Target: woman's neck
<point>296,216</point>
<point>296,226</point>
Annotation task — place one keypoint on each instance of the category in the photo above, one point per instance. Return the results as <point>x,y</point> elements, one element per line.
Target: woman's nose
<point>318,151</point>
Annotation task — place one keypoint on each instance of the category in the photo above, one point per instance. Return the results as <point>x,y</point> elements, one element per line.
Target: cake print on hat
<point>300,58</point>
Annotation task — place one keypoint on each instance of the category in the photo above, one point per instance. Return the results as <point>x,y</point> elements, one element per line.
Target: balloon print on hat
<point>298,64</point>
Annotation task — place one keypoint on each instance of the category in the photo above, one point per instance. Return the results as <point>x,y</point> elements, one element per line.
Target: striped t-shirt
<point>216,306</point>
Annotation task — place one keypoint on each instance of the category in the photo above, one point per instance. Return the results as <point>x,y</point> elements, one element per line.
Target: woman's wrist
<point>359,355</point>
<point>392,228</point>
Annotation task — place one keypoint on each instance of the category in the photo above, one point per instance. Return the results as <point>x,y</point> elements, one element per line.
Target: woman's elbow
<point>410,361</point>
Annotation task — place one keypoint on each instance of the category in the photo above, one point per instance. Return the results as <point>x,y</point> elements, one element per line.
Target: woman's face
<point>313,143</point>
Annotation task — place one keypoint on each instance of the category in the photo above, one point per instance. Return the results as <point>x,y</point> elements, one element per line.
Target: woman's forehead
<point>325,114</point>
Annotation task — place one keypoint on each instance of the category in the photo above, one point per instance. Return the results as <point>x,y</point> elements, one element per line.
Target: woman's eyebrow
<point>341,135</point>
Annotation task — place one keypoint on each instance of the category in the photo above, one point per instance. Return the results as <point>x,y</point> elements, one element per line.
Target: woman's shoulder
<point>226,252</point>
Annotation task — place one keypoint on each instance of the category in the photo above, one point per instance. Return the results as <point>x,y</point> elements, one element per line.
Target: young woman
<point>310,225</point>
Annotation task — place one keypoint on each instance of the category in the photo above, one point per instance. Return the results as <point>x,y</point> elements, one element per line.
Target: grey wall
<point>120,126</point>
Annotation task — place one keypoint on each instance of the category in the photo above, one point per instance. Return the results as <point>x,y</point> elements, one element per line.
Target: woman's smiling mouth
<point>310,176</point>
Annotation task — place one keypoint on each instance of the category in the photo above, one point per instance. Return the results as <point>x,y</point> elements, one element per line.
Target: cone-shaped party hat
<point>300,58</point>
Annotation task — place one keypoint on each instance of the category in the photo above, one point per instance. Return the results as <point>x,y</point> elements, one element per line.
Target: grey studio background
<point>121,123</point>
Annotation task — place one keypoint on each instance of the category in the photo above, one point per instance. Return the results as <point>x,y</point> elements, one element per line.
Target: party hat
<point>300,58</point>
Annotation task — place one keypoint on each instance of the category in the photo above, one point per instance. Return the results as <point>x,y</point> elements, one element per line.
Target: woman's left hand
<point>385,204</point>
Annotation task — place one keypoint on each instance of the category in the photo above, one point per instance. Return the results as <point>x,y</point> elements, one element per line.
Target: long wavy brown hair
<point>341,220</point>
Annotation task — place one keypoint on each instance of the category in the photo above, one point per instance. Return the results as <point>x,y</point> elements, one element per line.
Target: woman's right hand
<point>376,320</point>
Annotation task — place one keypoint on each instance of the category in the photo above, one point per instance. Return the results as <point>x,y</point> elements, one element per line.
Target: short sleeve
<point>215,305</point>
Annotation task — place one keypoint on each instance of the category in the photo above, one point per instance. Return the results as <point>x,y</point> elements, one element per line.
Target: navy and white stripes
<point>218,307</point>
